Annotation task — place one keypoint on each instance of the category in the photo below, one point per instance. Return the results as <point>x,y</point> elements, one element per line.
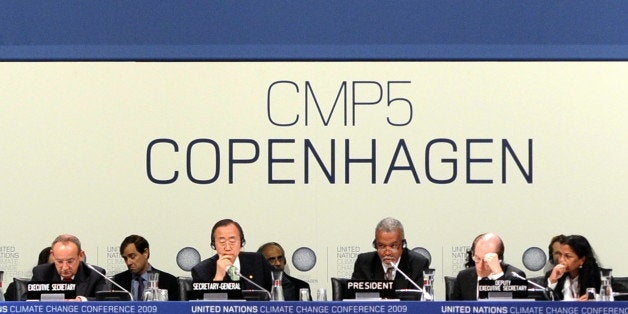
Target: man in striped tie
<point>391,251</point>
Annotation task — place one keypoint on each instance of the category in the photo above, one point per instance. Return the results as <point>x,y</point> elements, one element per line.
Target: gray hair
<point>390,224</point>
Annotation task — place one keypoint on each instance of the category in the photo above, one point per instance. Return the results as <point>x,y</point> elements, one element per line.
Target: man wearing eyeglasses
<point>276,256</point>
<point>227,239</point>
<point>390,245</point>
<point>487,253</point>
<point>69,267</point>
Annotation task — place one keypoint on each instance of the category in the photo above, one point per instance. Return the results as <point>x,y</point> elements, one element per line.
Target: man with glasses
<point>227,238</point>
<point>276,256</point>
<point>487,253</point>
<point>390,245</point>
<point>69,267</point>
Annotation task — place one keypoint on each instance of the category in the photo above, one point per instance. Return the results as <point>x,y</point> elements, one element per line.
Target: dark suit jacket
<point>368,266</point>
<point>166,281</point>
<point>592,282</point>
<point>87,282</point>
<point>253,265</point>
<point>466,283</point>
<point>291,287</point>
<point>11,293</point>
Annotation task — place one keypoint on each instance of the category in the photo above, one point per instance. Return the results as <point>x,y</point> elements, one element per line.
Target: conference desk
<point>343,307</point>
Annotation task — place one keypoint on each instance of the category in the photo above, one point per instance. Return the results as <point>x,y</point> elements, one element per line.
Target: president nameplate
<point>369,289</point>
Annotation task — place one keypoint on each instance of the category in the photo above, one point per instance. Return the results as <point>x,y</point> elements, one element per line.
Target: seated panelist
<point>487,253</point>
<point>577,270</point>
<point>390,248</point>
<point>69,267</point>
<point>135,252</point>
<point>227,238</point>
<point>553,251</point>
<point>274,253</point>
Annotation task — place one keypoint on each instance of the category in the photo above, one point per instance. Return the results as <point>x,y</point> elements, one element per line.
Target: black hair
<point>223,223</point>
<point>44,255</point>
<point>141,244</point>
<point>589,272</point>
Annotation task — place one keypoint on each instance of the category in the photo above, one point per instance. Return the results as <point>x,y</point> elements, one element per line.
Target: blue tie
<point>140,288</point>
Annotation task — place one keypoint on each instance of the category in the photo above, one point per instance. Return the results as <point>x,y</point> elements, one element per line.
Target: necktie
<point>477,288</point>
<point>140,288</point>
<point>67,279</point>
<point>389,274</point>
<point>232,272</point>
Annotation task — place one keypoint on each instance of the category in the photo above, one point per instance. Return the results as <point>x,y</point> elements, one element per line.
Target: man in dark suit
<point>487,253</point>
<point>390,245</point>
<point>69,267</point>
<point>276,256</point>
<point>227,238</point>
<point>135,251</point>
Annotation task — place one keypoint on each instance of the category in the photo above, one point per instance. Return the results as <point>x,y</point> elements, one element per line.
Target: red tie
<point>67,279</point>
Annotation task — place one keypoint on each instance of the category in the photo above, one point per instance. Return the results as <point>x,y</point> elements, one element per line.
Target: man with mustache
<point>390,245</point>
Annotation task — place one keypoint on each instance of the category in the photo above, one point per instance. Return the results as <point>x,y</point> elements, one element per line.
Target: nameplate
<point>49,287</point>
<point>369,289</point>
<point>216,290</point>
<point>369,285</point>
<point>39,290</point>
<point>216,286</point>
<point>503,289</point>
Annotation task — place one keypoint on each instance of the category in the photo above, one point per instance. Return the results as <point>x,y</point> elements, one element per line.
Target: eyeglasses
<point>393,247</point>
<point>478,259</point>
<point>63,262</point>
<point>231,242</point>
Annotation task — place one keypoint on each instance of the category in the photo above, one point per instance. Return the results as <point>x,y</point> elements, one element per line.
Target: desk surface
<point>344,307</point>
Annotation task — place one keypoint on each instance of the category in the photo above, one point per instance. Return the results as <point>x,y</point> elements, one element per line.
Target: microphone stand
<point>236,272</point>
<point>547,291</point>
<point>427,295</point>
<point>109,280</point>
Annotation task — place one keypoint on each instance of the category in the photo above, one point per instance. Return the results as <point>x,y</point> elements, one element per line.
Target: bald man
<point>276,256</point>
<point>488,255</point>
<point>68,266</point>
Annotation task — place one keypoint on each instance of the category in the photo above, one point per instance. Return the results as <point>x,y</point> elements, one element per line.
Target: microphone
<point>235,275</point>
<point>109,280</point>
<point>425,294</point>
<point>547,291</point>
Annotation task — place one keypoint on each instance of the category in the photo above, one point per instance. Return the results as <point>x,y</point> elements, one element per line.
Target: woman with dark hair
<point>577,270</point>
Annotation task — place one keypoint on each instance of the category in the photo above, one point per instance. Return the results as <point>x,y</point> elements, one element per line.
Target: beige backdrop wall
<point>75,140</point>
